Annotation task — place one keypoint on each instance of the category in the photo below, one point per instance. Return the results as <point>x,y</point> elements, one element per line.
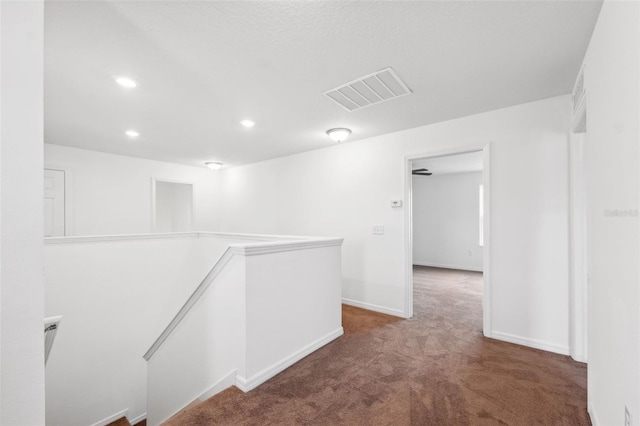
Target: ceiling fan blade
<point>421,172</point>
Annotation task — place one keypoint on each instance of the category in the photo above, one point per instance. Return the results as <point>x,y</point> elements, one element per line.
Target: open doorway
<point>578,256</point>
<point>172,206</point>
<point>447,217</point>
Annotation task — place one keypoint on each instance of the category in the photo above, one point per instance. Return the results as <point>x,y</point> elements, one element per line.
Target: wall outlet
<point>377,229</point>
<point>627,417</point>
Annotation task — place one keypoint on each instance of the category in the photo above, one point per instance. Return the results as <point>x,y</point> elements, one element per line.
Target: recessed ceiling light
<point>339,134</point>
<point>132,133</point>
<point>213,165</point>
<point>248,123</point>
<point>126,82</point>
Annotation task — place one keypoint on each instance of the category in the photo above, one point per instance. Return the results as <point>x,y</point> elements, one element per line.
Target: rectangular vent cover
<point>369,90</point>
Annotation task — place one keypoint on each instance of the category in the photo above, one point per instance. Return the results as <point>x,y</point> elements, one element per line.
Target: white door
<point>53,203</point>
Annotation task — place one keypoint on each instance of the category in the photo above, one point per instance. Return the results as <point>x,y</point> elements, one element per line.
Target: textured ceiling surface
<point>204,66</point>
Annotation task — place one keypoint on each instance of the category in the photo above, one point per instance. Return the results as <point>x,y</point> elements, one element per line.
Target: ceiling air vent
<point>369,90</point>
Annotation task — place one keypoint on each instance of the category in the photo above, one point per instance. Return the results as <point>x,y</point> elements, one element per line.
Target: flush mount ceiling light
<point>132,133</point>
<point>339,134</point>
<point>248,123</point>
<point>213,165</point>
<point>126,81</point>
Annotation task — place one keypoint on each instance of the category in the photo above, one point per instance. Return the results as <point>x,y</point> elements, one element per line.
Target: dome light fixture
<point>213,165</point>
<point>339,134</point>
<point>127,82</point>
<point>248,123</point>
<point>132,133</point>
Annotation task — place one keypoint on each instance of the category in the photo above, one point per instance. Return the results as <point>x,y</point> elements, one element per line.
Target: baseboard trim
<point>532,343</point>
<point>112,418</point>
<point>259,378</point>
<point>222,384</point>
<point>375,308</point>
<point>449,266</point>
<point>138,419</point>
<point>226,382</point>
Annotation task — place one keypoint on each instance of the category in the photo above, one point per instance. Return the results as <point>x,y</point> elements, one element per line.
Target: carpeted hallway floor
<point>435,369</point>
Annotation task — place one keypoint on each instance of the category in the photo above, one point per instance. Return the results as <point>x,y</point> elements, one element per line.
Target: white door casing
<point>54,203</point>
<point>408,229</point>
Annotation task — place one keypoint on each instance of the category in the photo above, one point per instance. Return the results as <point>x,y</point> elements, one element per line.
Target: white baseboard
<point>138,419</point>
<point>449,266</point>
<point>222,384</point>
<point>532,343</point>
<point>226,382</point>
<point>112,418</point>
<point>257,379</point>
<point>375,308</point>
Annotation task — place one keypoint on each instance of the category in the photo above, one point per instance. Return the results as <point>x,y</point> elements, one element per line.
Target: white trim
<point>259,378</point>
<point>486,241</point>
<point>253,249</point>
<point>408,231</point>
<point>578,259</point>
<point>52,320</point>
<point>257,238</point>
<point>532,343</point>
<point>191,301</point>
<point>375,308</point>
<point>68,197</point>
<point>138,419</point>
<point>224,383</point>
<point>109,238</point>
<point>112,418</point>
<point>254,237</point>
<point>448,266</point>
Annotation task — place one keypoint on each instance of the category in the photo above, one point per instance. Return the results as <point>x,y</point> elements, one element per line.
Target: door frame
<point>68,196</point>
<point>578,247</point>
<point>154,180</point>
<point>408,228</point>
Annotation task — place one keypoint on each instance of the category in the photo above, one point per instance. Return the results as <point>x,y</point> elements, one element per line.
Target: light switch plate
<point>377,229</point>
<point>396,203</point>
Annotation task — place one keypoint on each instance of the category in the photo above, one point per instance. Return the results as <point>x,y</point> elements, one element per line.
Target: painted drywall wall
<point>207,347</point>
<point>345,189</point>
<point>264,312</point>
<point>446,221</point>
<point>116,297</point>
<point>613,173</point>
<point>112,194</point>
<point>21,224</point>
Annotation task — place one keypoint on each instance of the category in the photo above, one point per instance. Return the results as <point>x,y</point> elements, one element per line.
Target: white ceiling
<point>204,66</point>
<point>456,163</point>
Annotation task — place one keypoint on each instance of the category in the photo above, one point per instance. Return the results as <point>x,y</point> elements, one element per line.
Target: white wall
<point>613,173</point>
<point>270,306</point>
<point>111,194</point>
<point>446,221</point>
<point>345,189</point>
<point>116,297</point>
<point>21,212</point>
<point>204,351</point>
